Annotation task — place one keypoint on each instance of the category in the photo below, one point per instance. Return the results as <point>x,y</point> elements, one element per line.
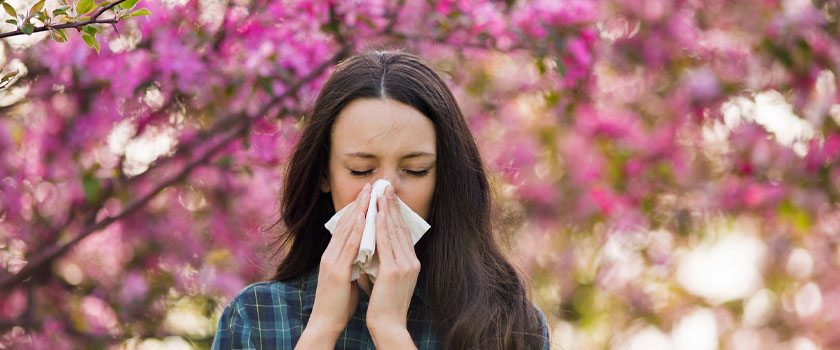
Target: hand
<point>336,297</point>
<point>398,270</point>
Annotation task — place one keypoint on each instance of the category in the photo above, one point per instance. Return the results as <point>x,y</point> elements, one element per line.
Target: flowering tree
<point>669,168</point>
<point>80,16</point>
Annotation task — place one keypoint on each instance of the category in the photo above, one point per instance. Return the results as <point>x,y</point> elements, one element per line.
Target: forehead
<point>382,127</point>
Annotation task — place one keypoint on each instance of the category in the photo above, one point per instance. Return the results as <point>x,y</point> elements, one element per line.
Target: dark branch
<point>93,20</point>
<point>244,122</point>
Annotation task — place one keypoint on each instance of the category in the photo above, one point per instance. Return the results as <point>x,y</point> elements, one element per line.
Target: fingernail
<point>367,186</point>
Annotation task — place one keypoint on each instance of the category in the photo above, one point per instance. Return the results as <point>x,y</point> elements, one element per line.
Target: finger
<point>398,250</point>
<point>351,245</point>
<point>393,207</point>
<point>364,199</point>
<point>393,232</point>
<point>404,234</point>
<point>339,236</point>
<point>344,221</point>
<point>401,235</point>
<point>350,248</point>
<point>336,245</point>
<point>347,220</point>
<point>386,255</point>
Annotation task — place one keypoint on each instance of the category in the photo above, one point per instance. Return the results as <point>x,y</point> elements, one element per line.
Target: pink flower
<point>755,194</point>
<point>605,200</point>
<point>584,163</point>
<point>13,304</point>
<point>702,84</point>
<point>134,288</point>
<point>822,153</point>
<point>100,319</point>
<point>580,52</point>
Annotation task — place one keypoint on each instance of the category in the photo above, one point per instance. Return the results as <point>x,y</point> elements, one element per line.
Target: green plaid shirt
<point>272,315</point>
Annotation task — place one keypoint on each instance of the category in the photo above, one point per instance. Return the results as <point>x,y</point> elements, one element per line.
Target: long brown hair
<point>475,295</point>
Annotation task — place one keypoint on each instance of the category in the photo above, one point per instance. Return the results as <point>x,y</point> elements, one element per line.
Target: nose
<point>393,176</point>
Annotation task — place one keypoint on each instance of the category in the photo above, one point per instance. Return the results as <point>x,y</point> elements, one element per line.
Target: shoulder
<point>268,294</point>
<point>545,327</point>
<point>258,292</point>
<point>296,293</point>
<point>266,313</point>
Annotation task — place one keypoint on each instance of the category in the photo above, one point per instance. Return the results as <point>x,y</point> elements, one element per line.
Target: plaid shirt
<point>272,315</point>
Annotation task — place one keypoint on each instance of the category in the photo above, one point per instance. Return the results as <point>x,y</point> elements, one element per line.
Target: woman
<point>386,115</point>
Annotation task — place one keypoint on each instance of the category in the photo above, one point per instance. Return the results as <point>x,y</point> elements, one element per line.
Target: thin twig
<point>245,122</point>
<point>57,250</point>
<point>93,20</point>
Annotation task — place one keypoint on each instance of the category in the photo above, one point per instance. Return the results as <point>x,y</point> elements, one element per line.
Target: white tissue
<point>367,261</point>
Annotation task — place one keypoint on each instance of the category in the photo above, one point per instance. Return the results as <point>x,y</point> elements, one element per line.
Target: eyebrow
<point>372,156</point>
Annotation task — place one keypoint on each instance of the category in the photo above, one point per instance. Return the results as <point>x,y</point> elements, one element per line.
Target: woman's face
<point>382,139</point>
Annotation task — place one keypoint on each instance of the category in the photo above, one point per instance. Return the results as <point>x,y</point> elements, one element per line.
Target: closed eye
<point>411,172</point>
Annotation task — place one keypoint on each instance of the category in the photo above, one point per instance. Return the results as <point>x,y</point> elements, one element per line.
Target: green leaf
<point>91,188</point>
<point>552,98</point>
<point>55,37</point>
<point>128,4</point>
<point>561,67</point>
<point>541,66</point>
<point>96,45</point>
<point>58,35</point>
<point>9,9</point>
<point>140,12</point>
<point>90,30</point>
<point>84,6</point>
<point>83,19</point>
<point>800,218</point>
<point>27,28</point>
<point>105,4</point>
<point>12,21</point>
<point>59,11</point>
<point>37,7</point>
<point>91,41</point>
<point>9,76</point>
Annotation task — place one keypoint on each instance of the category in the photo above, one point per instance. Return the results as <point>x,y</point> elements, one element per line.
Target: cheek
<point>340,191</point>
<point>345,189</point>
<point>419,198</point>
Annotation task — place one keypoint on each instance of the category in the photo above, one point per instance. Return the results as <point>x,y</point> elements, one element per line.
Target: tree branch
<point>57,250</point>
<point>242,125</point>
<point>62,26</point>
<point>93,20</point>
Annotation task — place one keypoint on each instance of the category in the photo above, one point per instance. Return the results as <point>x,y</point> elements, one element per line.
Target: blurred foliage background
<point>669,167</point>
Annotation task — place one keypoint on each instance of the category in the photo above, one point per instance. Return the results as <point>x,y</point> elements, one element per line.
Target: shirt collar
<point>309,283</point>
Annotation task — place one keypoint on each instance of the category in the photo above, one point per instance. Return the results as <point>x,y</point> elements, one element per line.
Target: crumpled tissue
<point>367,260</point>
